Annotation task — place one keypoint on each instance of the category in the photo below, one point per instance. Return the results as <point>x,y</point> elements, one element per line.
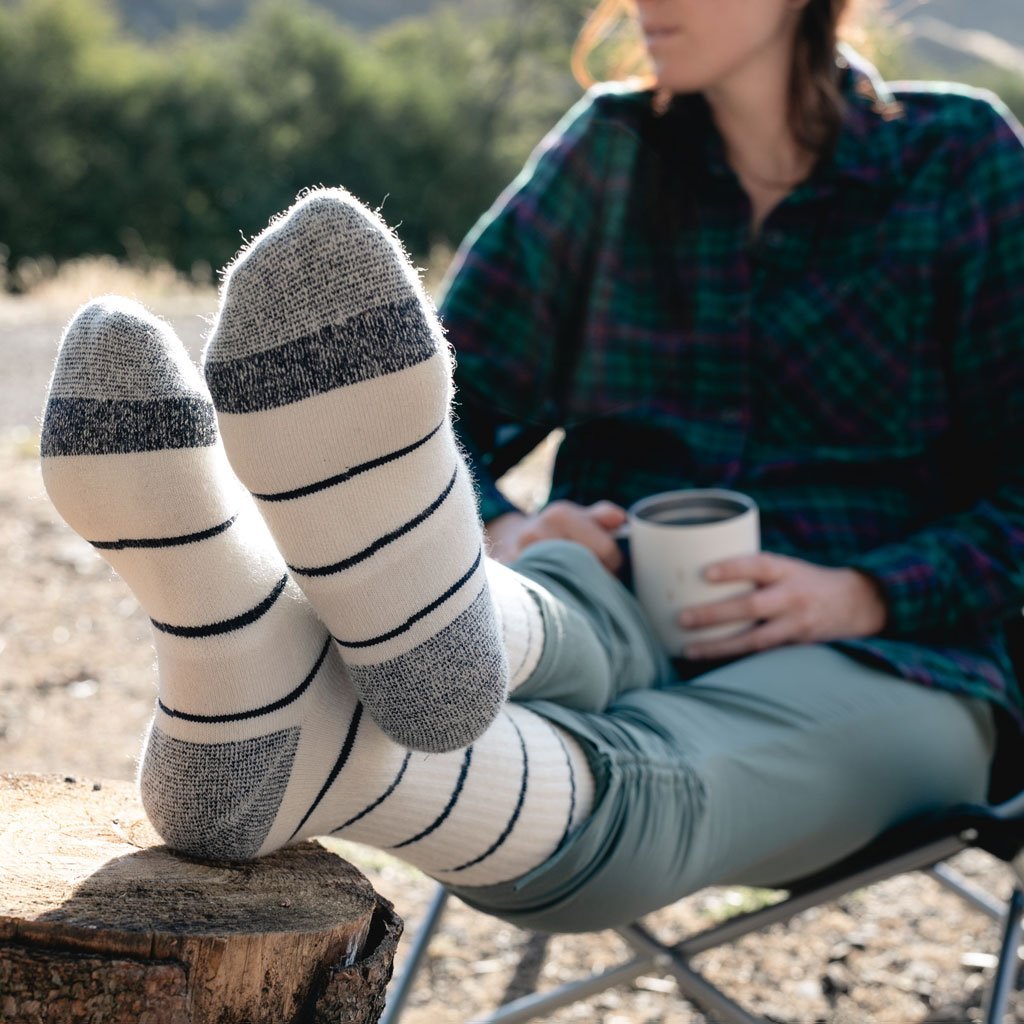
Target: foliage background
<point>165,131</point>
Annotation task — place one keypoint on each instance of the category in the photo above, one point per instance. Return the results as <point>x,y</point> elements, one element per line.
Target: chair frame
<point>922,845</point>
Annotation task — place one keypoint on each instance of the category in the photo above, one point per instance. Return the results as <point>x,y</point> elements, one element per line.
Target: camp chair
<point>923,844</point>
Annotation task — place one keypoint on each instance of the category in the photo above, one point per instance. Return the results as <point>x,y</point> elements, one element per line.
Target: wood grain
<point>94,911</point>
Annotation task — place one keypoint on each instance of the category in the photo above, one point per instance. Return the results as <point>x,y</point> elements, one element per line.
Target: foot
<point>132,460</point>
<point>332,383</point>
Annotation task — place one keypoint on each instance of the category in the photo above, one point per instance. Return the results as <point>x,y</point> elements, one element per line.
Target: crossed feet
<point>321,487</point>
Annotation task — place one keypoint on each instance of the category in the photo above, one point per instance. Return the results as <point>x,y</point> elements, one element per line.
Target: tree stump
<point>101,923</point>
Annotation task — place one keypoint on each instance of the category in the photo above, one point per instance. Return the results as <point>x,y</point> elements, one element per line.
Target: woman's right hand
<point>593,526</point>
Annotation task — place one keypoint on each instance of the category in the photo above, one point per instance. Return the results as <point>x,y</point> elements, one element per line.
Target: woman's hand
<point>593,526</point>
<point>794,602</point>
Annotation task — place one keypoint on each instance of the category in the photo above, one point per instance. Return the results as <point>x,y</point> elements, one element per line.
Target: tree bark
<point>101,923</point>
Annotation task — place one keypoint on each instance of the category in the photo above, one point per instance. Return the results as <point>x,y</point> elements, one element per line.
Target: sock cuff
<point>519,621</point>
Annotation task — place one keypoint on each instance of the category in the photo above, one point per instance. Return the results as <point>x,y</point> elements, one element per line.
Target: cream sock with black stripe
<point>132,460</point>
<point>258,737</point>
<point>332,383</point>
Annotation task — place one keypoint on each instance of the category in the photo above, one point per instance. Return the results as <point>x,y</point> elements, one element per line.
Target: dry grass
<point>76,281</point>
<point>155,282</point>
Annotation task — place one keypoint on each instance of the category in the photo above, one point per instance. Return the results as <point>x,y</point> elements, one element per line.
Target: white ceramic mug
<point>673,538</point>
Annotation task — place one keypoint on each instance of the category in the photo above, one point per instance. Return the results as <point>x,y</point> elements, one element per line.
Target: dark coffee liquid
<point>687,519</point>
<point>693,511</point>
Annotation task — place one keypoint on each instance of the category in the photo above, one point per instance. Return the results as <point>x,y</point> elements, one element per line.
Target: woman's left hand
<point>794,602</point>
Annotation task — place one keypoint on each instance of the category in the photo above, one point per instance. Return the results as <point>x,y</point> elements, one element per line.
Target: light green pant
<point>760,772</point>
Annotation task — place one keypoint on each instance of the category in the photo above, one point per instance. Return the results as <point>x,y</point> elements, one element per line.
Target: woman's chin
<point>680,80</point>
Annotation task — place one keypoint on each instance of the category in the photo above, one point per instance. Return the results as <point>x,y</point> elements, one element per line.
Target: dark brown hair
<point>815,103</point>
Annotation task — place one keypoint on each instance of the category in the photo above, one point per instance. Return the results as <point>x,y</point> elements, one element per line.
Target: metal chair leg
<point>674,959</point>
<point>541,1004</point>
<point>1006,970</point>
<point>966,890</point>
<point>398,992</point>
<point>692,985</point>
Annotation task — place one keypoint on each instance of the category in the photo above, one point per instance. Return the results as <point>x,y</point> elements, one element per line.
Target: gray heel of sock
<point>443,694</point>
<point>216,801</point>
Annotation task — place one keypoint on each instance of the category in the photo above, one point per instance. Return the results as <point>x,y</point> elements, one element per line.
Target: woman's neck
<point>750,110</point>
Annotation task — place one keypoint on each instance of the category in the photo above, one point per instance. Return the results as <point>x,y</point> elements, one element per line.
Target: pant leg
<point>598,642</point>
<point>760,772</point>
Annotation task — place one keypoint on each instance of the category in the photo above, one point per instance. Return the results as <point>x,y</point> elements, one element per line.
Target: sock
<point>332,383</point>
<point>131,460</point>
<point>258,738</point>
<point>519,620</point>
<point>486,814</point>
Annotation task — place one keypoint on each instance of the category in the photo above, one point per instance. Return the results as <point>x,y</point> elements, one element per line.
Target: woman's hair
<point>815,103</point>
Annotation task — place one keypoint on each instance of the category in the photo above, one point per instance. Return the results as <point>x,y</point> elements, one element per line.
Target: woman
<point>769,273</point>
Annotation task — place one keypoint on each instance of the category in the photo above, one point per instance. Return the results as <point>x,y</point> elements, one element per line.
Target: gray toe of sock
<point>123,382</point>
<point>324,297</point>
<point>115,348</point>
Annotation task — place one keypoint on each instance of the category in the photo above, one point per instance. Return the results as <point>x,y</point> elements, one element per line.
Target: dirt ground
<point>77,684</point>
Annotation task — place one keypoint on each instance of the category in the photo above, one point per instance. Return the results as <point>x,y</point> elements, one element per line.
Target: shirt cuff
<point>913,589</point>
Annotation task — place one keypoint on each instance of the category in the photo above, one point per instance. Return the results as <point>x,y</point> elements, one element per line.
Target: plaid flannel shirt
<point>857,367</point>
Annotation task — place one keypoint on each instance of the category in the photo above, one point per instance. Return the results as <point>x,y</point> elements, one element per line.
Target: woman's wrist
<point>868,603</point>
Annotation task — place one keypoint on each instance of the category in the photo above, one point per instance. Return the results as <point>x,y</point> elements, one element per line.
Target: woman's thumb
<point>607,514</point>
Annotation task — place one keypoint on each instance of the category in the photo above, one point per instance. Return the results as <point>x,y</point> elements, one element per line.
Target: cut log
<point>101,923</point>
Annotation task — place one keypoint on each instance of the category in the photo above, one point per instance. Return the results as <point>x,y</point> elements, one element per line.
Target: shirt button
<point>731,415</point>
<point>774,238</point>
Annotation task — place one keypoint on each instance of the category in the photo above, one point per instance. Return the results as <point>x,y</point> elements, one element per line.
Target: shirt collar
<point>867,147</point>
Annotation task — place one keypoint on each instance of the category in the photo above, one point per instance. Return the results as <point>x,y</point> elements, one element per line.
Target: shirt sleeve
<point>512,300</point>
<point>971,563</point>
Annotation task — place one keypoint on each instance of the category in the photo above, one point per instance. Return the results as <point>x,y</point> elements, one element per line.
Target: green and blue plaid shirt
<point>857,367</point>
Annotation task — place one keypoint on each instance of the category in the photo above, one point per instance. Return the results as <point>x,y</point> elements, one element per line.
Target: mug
<point>673,537</point>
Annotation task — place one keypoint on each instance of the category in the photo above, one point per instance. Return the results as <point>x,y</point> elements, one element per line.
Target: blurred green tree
<point>109,145</point>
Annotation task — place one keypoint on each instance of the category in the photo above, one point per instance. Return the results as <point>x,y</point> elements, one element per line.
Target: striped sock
<point>131,459</point>
<point>485,814</point>
<point>258,738</point>
<point>332,383</point>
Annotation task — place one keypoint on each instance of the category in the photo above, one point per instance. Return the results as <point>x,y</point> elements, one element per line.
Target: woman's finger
<point>602,544</point>
<point>567,521</point>
<point>764,603</point>
<point>607,514</point>
<point>758,638</point>
<point>761,568</point>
